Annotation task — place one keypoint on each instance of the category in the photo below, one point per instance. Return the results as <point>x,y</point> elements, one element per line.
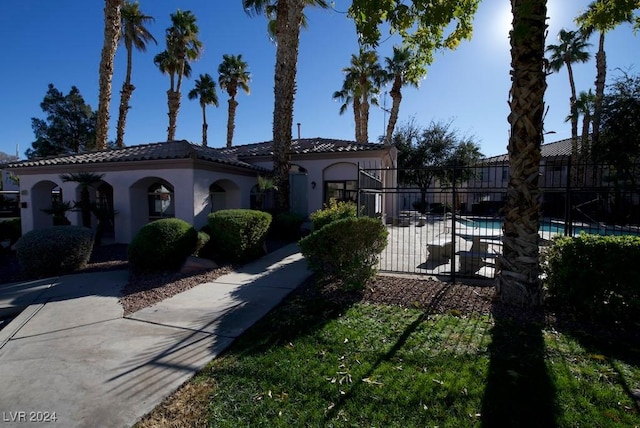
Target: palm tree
<point>110,44</point>
<point>168,64</point>
<point>518,280</point>
<point>363,79</point>
<point>205,90</point>
<point>349,94</point>
<point>183,46</point>
<point>233,74</point>
<point>289,18</point>
<point>585,106</point>
<point>133,34</point>
<point>85,180</point>
<point>402,69</point>
<point>603,16</point>
<point>570,50</point>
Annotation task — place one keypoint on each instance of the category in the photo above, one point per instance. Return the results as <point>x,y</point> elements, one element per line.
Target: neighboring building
<point>188,181</point>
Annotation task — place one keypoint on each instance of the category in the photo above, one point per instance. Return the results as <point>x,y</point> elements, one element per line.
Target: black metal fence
<point>448,221</point>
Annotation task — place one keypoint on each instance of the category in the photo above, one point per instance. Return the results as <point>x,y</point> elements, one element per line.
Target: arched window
<point>161,201</point>
<point>218,197</point>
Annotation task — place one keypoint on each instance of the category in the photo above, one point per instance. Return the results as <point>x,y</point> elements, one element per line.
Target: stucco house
<point>188,181</point>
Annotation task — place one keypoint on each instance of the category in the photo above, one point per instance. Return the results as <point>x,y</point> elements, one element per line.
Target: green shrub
<point>596,275</point>
<point>287,226</point>
<point>162,245</point>
<point>333,211</point>
<point>347,250</point>
<point>10,230</point>
<point>239,234</point>
<point>203,239</point>
<point>55,250</point>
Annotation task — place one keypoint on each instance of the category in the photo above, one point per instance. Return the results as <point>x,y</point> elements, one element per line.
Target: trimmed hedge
<point>333,211</point>
<point>55,250</point>
<point>10,230</point>
<point>203,239</point>
<point>162,245</point>
<point>347,250</point>
<point>287,226</point>
<point>239,234</point>
<point>596,275</point>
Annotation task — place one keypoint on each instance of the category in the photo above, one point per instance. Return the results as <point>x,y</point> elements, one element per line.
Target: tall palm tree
<point>111,33</point>
<point>205,91</point>
<point>518,280</point>
<point>349,94</point>
<point>289,18</point>
<point>133,34</point>
<point>402,69</point>
<point>363,79</point>
<point>233,74</point>
<point>168,64</point>
<point>570,50</point>
<point>183,46</point>
<point>585,106</point>
<point>603,16</point>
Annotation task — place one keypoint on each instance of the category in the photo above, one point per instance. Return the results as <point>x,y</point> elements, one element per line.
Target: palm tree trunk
<point>125,96</point>
<point>601,66</point>
<point>289,19</point>
<point>110,44</point>
<point>396,96</point>
<point>356,117</point>
<point>231,121</point>
<point>518,280</point>
<point>574,127</point>
<point>173,101</point>
<point>364,119</point>
<point>204,126</point>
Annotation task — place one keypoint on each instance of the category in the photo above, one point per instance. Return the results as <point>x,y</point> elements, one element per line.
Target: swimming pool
<point>549,227</point>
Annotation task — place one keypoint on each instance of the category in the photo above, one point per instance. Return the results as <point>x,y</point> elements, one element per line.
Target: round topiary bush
<point>162,245</point>
<point>54,251</point>
<point>239,234</point>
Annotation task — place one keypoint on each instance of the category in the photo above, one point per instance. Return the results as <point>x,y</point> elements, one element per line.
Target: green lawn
<point>316,363</point>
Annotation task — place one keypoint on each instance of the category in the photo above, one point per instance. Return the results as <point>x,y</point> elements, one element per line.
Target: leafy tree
<point>603,16</point>
<point>424,25</point>
<point>233,74</point>
<point>402,70</point>
<point>289,18</point>
<point>133,34</point>
<point>518,280</point>
<point>362,82</point>
<point>112,10</point>
<point>183,46</point>
<point>205,91</point>
<point>571,49</point>
<point>70,125</point>
<point>619,142</point>
<point>429,154</point>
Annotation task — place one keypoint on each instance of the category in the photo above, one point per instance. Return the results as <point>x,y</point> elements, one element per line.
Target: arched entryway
<point>161,200</point>
<point>224,194</point>
<point>47,205</point>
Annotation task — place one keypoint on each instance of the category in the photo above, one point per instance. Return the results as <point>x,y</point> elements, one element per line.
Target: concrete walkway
<point>72,352</point>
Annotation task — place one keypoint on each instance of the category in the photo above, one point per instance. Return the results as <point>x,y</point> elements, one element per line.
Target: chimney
<point>298,131</point>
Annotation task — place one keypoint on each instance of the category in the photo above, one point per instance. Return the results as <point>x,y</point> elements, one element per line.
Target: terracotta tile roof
<point>183,149</point>
<point>156,151</point>
<point>559,148</point>
<point>302,146</point>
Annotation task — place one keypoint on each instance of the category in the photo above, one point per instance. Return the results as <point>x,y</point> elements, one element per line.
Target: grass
<point>317,362</point>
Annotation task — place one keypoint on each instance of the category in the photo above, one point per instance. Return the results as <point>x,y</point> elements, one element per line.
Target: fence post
<point>568,218</point>
<point>454,197</point>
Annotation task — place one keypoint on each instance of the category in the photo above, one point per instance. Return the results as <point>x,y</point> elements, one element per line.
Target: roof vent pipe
<point>298,131</point>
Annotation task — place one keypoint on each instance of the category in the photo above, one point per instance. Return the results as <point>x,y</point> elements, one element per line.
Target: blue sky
<point>59,42</point>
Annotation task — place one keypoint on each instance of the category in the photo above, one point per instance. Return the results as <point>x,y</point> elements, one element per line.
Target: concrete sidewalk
<point>72,352</point>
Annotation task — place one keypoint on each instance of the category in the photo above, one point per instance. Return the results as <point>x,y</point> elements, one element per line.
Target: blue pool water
<point>550,227</point>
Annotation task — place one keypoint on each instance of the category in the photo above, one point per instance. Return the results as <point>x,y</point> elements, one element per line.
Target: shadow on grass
<point>519,391</point>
